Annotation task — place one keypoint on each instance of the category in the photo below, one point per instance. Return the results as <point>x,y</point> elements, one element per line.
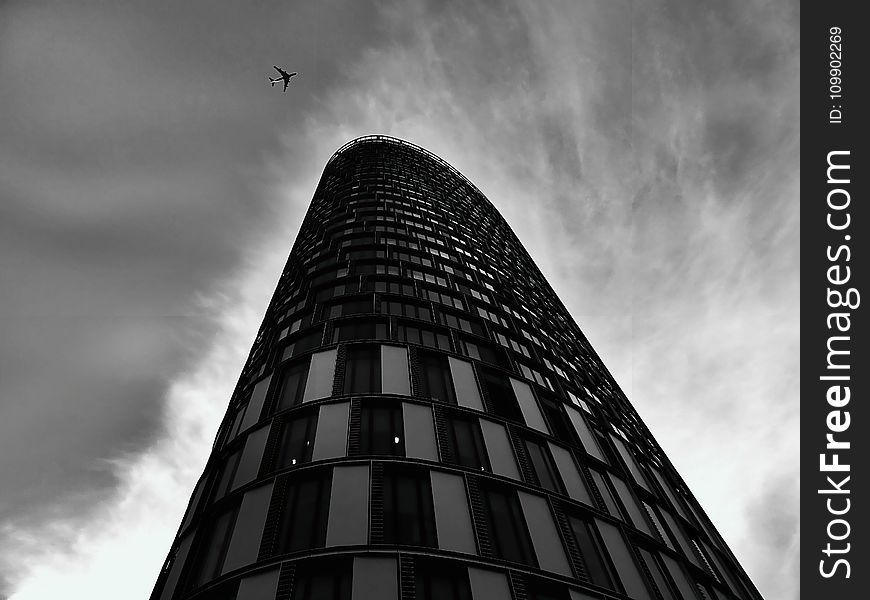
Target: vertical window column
<point>252,456</point>
<point>419,431</point>
<point>488,585</point>
<point>304,515</point>
<point>409,514</point>
<point>625,564</point>
<point>349,507</point>
<point>255,404</point>
<point>506,525</point>
<point>362,373</point>
<point>528,406</point>
<point>375,578</point>
<point>498,447</point>
<point>464,384</point>
<point>570,474</point>
<point>545,535</point>
<point>452,516</point>
<point>320,376</point>
<point>248,528</point>
<point>394,370</point>
<point>330,440</point>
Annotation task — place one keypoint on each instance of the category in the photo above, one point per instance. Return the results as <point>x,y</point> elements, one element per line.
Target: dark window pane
<point>435,379</point>
<point>558,421</point>
<point>363,371</point>
<point>485,352</point>
<point>213,546</point>
<point>440,580</point>
<point>224,591</point>
<point>237,423</point>
<point>308,341</point>
<point>501,395</point>
<point>656,572</point>
<point>357,306</point>
<point>420,335</point>
<point>538,589</point>
<point>442,341</point>
<point>293,385</point>
<point>590,548</point>
<point>359,329</point>
<point>381,429</point>
<point>409,334</point>
<point>228,471</point>
<point>328,579</point>
<point>297,441</point>
<point>409,517</point>
<point>466,443</point>
<point>463,324</point>
<point>506,526</point>
<point>542,463</point>
<point>306,508</point>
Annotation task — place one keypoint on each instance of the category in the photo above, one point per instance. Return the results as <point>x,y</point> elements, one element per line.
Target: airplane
<point>285,77</point>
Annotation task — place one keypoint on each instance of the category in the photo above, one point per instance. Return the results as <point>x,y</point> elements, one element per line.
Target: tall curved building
<point>421,419</point>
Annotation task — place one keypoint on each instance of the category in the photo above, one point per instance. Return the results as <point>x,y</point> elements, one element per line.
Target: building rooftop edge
<point>398,141</point>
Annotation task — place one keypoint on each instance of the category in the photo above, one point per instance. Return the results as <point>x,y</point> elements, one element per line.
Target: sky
<point>152,183</point>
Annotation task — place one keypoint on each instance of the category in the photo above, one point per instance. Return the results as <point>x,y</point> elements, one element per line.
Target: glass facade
<point>421,418</point>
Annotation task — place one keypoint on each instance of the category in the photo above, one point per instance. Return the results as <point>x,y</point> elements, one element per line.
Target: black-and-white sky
<point>152,183</point>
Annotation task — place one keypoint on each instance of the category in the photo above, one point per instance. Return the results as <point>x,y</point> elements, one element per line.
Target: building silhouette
<point>421,419</point>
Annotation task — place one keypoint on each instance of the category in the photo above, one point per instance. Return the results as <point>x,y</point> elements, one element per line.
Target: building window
<point>405,309</point>
<point>589,544</point>
<point>295,326</point>
<point>235,424</point>
<point>656,571</point>
<point>435,379</point>
<point>323,579</point>
<point>332,291</point>
<point>381,429</point>
<point>228,472</point>
<point>423,336</point>
<point>296,441</point>
<point>409,515</point>
<point>558,421</point>
<point>538,589</point>
<point>308,341</point>
<point>292,385</point>
<point>359,329</point>
<point>466,443</point>
<point>502,400</point>
<point>393,287</point>
<point>483,352</point>
<point>306,508</point>
<point>606,494</point>
<point>362,373</point>
<point>506,525</point>
<point>356,306</point>
<point>440,580</point>
<point>213,546</point>
<point>447,299</point>
<point>544,467</point>
<point>462,323</point>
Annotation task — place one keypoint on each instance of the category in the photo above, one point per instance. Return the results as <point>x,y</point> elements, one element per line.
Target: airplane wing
<point>280,70</point>
<point>293,73</point>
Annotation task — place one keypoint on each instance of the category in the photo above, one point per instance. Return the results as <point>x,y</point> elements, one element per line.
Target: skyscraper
<point>421,419</point>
